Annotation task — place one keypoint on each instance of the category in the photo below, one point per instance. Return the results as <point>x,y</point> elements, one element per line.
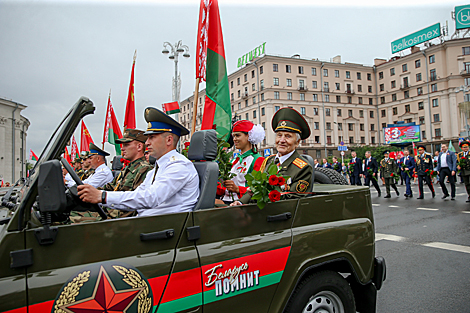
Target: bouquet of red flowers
<point>266,187</point>
<point>371,173</point>
<point>431,173</point>
<point>396,177</point>
<point>434,163</point>
<point>462,162</point>
<point>351,167</point>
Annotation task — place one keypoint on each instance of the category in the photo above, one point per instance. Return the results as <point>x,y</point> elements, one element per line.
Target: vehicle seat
<point>203,151</point>
<point>310,161</point>
<point>116,166</point>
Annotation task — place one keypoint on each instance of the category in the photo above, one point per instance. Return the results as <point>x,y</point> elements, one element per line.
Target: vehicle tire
<point>325,292</point>
<point>329,176</point>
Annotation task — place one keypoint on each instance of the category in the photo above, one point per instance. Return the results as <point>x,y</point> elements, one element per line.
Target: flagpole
<point>106,117</point>
<point>196,98</point>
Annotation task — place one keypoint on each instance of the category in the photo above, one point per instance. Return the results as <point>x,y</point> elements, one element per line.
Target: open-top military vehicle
<point>314,254</point>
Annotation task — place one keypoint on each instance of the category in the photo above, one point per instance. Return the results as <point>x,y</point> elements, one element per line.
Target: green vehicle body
<point>184,257</point>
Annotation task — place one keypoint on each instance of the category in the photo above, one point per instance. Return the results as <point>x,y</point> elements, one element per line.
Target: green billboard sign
<point>248,57</point>
<point>462,17</point>
<point>416,38</point>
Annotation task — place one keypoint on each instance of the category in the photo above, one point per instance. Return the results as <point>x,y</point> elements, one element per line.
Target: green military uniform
<point>79,172</point>
<point>295,166</point>
<point>424,165</point>
<point>87,174</point>
<point>389,170</point>
<point>463,160</point>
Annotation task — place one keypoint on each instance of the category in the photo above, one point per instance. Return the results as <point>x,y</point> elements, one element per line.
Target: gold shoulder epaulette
<point>263,165</point>
<point>299,163</point>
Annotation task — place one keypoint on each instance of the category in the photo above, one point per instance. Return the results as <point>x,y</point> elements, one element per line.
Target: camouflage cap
<point>77,160</point>
<point>132,134</point>
<point>85,155</point>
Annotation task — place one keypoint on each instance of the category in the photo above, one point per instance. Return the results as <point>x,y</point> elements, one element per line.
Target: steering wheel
<point>95,207</point>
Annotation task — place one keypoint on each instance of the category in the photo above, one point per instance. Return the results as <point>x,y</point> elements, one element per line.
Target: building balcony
<point>245,95</point>
<point>326,89</point>
<point>405,86</point>
<point>465,72</point>
<point>433,78</point>
<point>350,91</point>
<point>302,88</point>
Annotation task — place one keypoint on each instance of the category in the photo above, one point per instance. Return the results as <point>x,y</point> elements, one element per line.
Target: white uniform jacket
<point>101,177</point>
<point>174,188</point>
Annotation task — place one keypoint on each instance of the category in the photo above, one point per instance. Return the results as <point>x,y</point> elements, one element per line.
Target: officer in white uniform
<point>173,188</point>
<point>102,174</point>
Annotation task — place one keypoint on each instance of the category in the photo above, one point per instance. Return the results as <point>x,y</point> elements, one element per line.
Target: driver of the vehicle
<point>102,174</point>
<point>173,188</point>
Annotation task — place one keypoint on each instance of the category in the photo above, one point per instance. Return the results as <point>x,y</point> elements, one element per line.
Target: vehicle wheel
<point>329,176</point>
<point>323,292</point>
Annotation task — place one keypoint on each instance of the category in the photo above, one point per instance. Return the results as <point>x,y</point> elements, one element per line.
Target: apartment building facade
<point>352,103</point>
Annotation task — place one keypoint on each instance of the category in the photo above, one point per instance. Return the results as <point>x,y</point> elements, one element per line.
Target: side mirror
<point>51,187</point>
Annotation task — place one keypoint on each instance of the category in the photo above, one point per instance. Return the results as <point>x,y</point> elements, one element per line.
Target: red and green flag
<point>111,128</point>
<point>171,107</point>
<point>33,156</point>
<point>211,67</point>
<point>67,156</point>
<point>85,138</point>
<point>74,150</point>
<point>129,116</point>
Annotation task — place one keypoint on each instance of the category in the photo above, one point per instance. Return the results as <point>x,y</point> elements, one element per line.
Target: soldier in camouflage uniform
<point>463,164</point>
<point>388,170</point>
<point>77,164</point>
<point>424,164</point>
<point>86,165</point>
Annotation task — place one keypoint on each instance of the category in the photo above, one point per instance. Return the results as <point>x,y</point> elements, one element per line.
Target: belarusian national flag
<point>217,109</point>
<point>111,128</point>
<point>67,156</point>
<point>129,116</point>
<point>85,139</point>
<point>74,151</point>
<point>33,156</point>
<point>171,107</point>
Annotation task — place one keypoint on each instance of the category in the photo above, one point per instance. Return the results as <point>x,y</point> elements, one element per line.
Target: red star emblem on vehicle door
<point>105,298</point>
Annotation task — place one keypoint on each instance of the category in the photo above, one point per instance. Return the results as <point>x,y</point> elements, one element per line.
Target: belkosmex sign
<point>248,57</point>
<point>414,39</point>
<point>462,17</point>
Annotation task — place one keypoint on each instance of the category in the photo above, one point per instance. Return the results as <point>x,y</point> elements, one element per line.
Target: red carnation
<point>391,174</point>
<point>186,144</point>
<point>274,195</point>
<point>368,168</point>
<point>281,181</point>
<point>273,180</point>
<point>426,171</point>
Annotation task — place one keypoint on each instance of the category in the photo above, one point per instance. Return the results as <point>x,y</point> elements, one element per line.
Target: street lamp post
<point>174,51</point>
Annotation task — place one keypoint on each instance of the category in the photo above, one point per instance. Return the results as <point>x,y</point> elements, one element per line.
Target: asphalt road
<point>426,245</point>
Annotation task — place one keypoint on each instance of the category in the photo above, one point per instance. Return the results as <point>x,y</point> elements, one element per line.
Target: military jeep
<point>314,254</point>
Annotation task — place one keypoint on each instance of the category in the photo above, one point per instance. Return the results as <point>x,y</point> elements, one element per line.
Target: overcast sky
<point>53,52</point>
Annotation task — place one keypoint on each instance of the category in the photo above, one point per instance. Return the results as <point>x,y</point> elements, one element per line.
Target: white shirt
<point>444,159</point>
<point>284,157</point>
<point>101,177</point>
<point>69,182</point>
<point>174,189</point>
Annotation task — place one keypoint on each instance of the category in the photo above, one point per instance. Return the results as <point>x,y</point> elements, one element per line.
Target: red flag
<point>67,156</point>
<point>201,46</point>
<point>74,151</point>
<point>85,139</point>
<point>33,156</point>
<point>171,107</point>
<point>129,117</point>
<point>111,128</point>
<point>217,109</point>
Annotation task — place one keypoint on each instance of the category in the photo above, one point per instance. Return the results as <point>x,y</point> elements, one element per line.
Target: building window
<point>231,84</point>
<point>253,74</point>
<point>316,125</point>
<point>261,82</point>
<point>276,81</point>
<point>262,113</point>
<point>363,139</point>
<point>392,71</point>
<point>358,75</point>
<point>361,127</point>
<point>327,112</point>
<point>302,110</point>
<point>276,95</point>
<point>253,87</point>
<point>246,103</point>
<point>301,69</point>
<point>261,69</point>
<point>247,116</point>
<point>340,127</point>
<point>328,125</point>
<point>408,120</point>
<point>467,81</point>
<point>301,83</point>
<point>325,72</point>
<point>336,73</point>
<point>420,91</point>
<point>314,84</point>
<point>302,97</point>
<point>394,97</point>
<point>314,71</point>
<point>262,97</point>
<point>405,82</point>
<point>406,94</point>
<point>369,76</point>
<point>359,100</point>
<point>435,103</point>
<point>437,132</point>
<point>231,96</point>
<point>350,126</point>
<point>239,105</point>
<point>239,94</point>
<point>361,113</point>
<point>263,125</point>
<point>404,67</point>
<point>381,75</point>
<point>372,140</point>
<point>328,140</point>
<point>382,87</point>
<point>337,86</point>
<point>288,69</point>
<point>372,127</point>
<point>238,81</point>
<point>338,112</point>
<point>315,111</point>
<point>289,82</point>
<point>382,100</point>
<point>433,87</point>
<point>393,84</point>
<point>359,88</point>
<point>369,89</point>
<point>289,96</point>
<point>418,77</point>
<point>327,98</point>
<point>338,99</point>
<point>395,111</point>
<point>348,75</point>
<point>276,108</point>
<point>407,108</point>
<point>417,63</point>
<point>432,59</point>
<point>351,140</point>
<point>384,113</point>
<point>245,77</point>
<point>465,50</point>
<point>315,97</point>
<point>349,99</point>
<point>317,140</point>
<point>433,75</point>
<point>421,120</point>
<point>254,113</point>
<point>423,134</point>
<point>275,67</point>
<point>254,100</point>
<point>371,101</point>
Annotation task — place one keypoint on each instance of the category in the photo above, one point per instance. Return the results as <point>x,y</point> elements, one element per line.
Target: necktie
<point>277,162</point>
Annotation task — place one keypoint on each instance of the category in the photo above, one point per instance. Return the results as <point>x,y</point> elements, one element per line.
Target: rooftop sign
<point>416,38</point>
<point>462,17</point>
<point>248,57</point>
